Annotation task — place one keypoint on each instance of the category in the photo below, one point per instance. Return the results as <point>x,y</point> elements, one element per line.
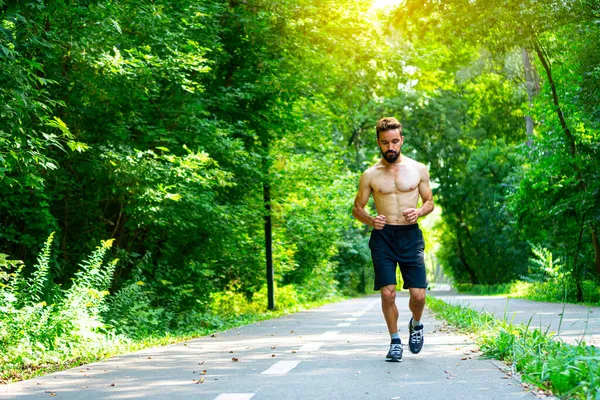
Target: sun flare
<point>377,4</point>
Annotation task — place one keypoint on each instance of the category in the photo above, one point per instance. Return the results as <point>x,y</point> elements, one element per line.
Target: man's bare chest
<point>401,180</point>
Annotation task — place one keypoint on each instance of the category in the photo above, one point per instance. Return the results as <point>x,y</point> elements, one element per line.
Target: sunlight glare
<point>377,4</point>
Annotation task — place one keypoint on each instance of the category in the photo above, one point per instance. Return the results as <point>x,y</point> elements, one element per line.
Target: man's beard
<point>390,156</point>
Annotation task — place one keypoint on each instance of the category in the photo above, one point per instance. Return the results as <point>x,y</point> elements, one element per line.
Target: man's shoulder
<point>373,169</point>
<point>414,163</point>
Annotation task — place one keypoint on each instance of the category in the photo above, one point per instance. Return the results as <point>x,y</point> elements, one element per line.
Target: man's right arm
<point>360,202</point>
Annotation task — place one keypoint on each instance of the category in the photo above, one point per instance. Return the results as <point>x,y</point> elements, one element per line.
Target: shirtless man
<point>396,182</point>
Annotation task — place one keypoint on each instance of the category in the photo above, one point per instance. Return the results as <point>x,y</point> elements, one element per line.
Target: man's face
<point>390,143</point>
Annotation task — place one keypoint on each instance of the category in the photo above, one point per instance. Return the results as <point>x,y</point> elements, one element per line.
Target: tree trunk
<point>579,275</point>
<point>570,140</point>
<point>561,117</point>
<point>596,244</point>
<point>269,246</point>
<point>461,256</point>
<point>268,224</point>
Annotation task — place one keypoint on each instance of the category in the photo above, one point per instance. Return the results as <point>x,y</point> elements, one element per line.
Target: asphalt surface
<point>569,322</point>
<point>333,352</point>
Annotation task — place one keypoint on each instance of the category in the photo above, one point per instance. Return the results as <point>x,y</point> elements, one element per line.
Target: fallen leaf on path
<point>203,372</point>
<point>234,359</point>
<point>213,335</point>
<point>464,358</point>
<point>272,347</point>
<point>272,355</point>
<point>201,380</point>
<point>230,351</point>
<point>149,357</point>
<point>113,384</point>
<point>294,351</point>
<point>201,362</point>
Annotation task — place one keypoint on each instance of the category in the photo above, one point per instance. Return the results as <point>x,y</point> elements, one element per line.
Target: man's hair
<point>388,124</point>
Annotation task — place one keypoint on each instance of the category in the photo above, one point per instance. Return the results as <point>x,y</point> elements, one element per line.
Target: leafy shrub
<point>35,332</point>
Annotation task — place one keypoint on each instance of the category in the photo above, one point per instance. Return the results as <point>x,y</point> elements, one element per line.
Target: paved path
<point>332,352</point>
<point>571,322</point>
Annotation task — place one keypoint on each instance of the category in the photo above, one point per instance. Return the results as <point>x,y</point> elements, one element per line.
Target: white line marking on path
<point>368,307</point>
<point>281,368</point>
<point>234,396</point>
<point>358,314</point>
<point>351,319</point>
<point>344,324</point>
<point>329,334</point>
<point>311,346</point>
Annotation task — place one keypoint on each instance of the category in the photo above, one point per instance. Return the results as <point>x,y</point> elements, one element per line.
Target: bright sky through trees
<point>385,3</point>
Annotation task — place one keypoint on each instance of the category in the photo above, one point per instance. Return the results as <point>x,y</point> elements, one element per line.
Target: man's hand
<point>379,222</point>
<point>411,215</point>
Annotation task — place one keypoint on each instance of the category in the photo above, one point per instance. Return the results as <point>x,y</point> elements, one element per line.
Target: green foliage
<point>487,290</point>
<point>175,117</point>
<point>498,187</point>
<point>34,333</point>
<point>569,371</point>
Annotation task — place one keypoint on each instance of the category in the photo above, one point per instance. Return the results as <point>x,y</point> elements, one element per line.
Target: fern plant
<point>544,267</point>
<point>33,332</point>
<point>35,288</point>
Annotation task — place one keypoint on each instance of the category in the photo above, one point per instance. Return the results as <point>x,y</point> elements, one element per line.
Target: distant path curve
<point>578,322</point>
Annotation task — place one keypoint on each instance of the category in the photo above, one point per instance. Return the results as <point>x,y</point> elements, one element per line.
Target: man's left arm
<point>413,214</point>
<point>425,193</point>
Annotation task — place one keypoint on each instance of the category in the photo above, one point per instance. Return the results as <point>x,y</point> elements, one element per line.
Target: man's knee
<point>388,294</point>
<point>417,296</point>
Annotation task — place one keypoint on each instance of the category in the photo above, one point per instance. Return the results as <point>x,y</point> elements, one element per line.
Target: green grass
<point>569,371</point>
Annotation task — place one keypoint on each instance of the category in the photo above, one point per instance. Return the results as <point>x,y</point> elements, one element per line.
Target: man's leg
<point>388,306</point>
<point>390,313</point>
<point>415,327</point>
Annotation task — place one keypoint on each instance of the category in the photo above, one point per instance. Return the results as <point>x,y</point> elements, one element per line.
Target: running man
<point>396,182</point>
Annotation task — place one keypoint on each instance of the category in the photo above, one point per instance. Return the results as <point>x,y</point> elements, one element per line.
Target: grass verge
<point>568,371</point>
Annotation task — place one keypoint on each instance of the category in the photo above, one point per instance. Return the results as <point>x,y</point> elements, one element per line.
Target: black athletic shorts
<point>403,245</point>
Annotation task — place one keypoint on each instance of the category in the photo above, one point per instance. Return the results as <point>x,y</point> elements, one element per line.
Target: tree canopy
<point>160,125</point>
